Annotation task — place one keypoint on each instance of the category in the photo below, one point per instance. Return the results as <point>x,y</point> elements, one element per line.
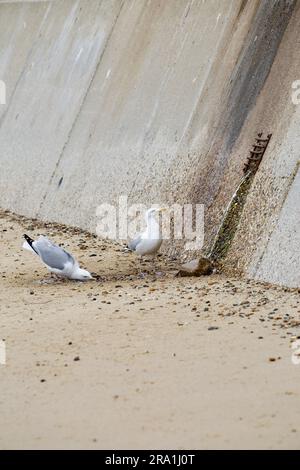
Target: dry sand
<point>141,360</point>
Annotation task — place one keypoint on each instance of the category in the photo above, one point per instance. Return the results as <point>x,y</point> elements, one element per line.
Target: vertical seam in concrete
<point>79,109</point>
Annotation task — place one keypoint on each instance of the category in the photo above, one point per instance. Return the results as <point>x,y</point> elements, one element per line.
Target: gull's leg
<point>49,279</point>
<point>140,259</point>
<point>153,258</point>
<point>55,277</point>
<point>141,268</point>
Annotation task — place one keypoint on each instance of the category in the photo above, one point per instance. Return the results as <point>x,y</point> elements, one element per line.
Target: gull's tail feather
<point>28,244</point>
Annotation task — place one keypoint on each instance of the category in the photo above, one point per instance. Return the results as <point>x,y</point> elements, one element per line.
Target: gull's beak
<point>162,209</point>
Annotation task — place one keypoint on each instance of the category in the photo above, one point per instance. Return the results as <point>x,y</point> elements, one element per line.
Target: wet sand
<point>140,358</point>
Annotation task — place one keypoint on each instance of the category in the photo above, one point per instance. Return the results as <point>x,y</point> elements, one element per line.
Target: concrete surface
<point>284,242</point>
<point>159,101</point>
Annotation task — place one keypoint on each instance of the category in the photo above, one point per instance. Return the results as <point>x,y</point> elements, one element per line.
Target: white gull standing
<point>57,260</point>
<point>149,241</point>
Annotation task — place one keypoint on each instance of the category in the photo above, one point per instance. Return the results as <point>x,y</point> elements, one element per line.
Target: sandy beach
<point>140,358</point>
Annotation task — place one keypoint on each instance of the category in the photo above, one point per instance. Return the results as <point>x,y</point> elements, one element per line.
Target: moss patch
<point>231,220</point>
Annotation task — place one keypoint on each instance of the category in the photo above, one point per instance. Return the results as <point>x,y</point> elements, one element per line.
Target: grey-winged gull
<point>57,260</point>
<point>149,241</point>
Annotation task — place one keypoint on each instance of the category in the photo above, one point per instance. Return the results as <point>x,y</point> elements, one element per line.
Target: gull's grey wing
<point>133,244</point>
<point>54,256</point>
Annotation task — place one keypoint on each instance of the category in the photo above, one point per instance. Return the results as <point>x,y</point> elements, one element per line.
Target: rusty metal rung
<point>262,140</point>
<point>259,146</point>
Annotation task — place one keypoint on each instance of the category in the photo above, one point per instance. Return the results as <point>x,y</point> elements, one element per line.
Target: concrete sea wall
<point>160,101</point>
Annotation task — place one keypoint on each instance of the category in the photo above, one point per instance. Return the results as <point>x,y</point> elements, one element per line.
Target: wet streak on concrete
<point>254,65</point>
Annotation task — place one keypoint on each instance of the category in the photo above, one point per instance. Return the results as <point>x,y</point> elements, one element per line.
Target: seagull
<point>57,260</point>
<point>149,241</point>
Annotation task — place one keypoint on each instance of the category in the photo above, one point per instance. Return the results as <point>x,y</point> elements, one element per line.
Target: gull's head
<point>161,209</point>
<point>82,275</point>
<point>153,211</point>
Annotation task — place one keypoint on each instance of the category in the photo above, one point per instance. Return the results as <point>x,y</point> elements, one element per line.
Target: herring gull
<point>149,241</point>
<point>57,260</point>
